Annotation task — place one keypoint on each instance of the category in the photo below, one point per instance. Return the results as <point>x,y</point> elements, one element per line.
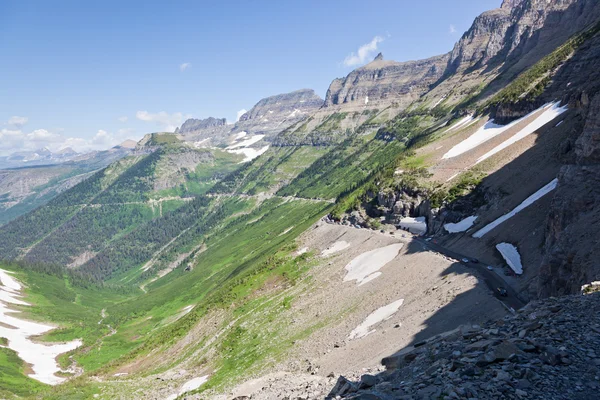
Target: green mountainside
<point>183,258</point>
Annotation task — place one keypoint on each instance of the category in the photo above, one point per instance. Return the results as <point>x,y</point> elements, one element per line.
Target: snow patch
<point>377,316</point>
<point>302,251</point>
<point>461,123</point>
<point>552,111</point>
<point>460,226</point>
<point>249,153</point>
<point>366,100</point>
<point>417,225</point>
<point>193,384</point>
<point>246,143</point>
<point>487,132</point>
<point>366,266</point>
<point>337,246</point>
<point>199,143</point>
<point>511,256</point>
<point>41,357</point>
<point>240,135</point>
<point>437,103</point>
<point>526,203</point>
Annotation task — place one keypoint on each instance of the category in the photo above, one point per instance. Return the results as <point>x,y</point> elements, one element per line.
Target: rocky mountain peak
<point>508,4</point>
<point>192,124</point>
<point>384,82</point>
<point>283,104</point>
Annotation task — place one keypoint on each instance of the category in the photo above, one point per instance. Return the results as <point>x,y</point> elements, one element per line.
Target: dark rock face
<point>386,81</point>
<point>520,29</point>
<point>572,254</point>
<point>192,125</point>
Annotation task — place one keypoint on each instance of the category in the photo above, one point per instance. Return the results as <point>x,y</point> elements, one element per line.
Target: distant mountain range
<point>45,156</point>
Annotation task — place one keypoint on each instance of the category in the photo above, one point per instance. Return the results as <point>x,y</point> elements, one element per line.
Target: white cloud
<point>364,53</point>
<point>17,121</point>
<point>44,136</point>
<point>14,140</point>
<point>240,113</point>
<point>167,122</point>
<point>185,66</point>
<point>123,119</point>
<point>452,29</point>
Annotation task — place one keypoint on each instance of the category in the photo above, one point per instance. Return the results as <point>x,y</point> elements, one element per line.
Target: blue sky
<point>89,74</point>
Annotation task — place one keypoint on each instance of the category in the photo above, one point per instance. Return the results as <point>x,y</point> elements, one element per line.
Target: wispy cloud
<point>167,122</point>
<point>452,29</point>
<point>240,113</point>
<point>15,139</point>
<point>17,121</point>
<point>364,53</point>
<point>185,66</point>
<point>123,119</point>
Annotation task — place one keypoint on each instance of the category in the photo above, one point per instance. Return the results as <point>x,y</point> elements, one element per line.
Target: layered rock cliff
<point>273,114</point>
<point>192,124</point>
<point>383,82</point>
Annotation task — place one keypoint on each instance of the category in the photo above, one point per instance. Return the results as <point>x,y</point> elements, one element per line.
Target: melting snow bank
<point>511,256</point>
<point>41,357</point>
<point>246,142</point>
<point>460,226</point>
<point>365,267</point>
<point>487,132</point>
<point>190,385</point>
<point>552,111</point>
<point>461,123</point>
<point>337,246</point>
<point>377,316</point>
<point>414,225</point>
<point>526,203</point>
<point>249,153</point>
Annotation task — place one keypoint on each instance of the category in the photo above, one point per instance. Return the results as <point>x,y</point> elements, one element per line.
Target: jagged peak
<point>379,57</point>
<point>508,4</point>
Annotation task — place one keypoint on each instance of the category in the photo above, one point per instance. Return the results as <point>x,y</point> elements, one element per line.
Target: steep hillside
<point>26,188</point>
<point>313,240</point>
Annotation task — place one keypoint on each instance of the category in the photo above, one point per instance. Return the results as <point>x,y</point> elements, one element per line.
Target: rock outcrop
<point>273,114</point>
<point>382,82</point>
<point>192,125</point>
<point>571,251</point>
<point>548,350</point>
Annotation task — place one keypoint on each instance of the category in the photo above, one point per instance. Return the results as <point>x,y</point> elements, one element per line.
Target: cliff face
<point>273,114</point>
<point>384,81</point>
<point>520,29</point>
<point>192,124</point>
<point>282,105</point>
<point>572,254</point>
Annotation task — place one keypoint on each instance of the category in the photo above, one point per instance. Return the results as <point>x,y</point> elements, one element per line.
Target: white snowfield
<point>377,316</point>
<point>18,332</point>
<point>190,385</point>
<point>366,266</point>
<point>526,203</point>
<point>334,248</point>
<point>552,110</point>
<point>462,123</point>
<point>511,256</point>
<point>487,132</point>
<point>246,142</point>
<point>239,135</point>
<point>249,153</point>
<point>460,226</point>
<point>414,225</point>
